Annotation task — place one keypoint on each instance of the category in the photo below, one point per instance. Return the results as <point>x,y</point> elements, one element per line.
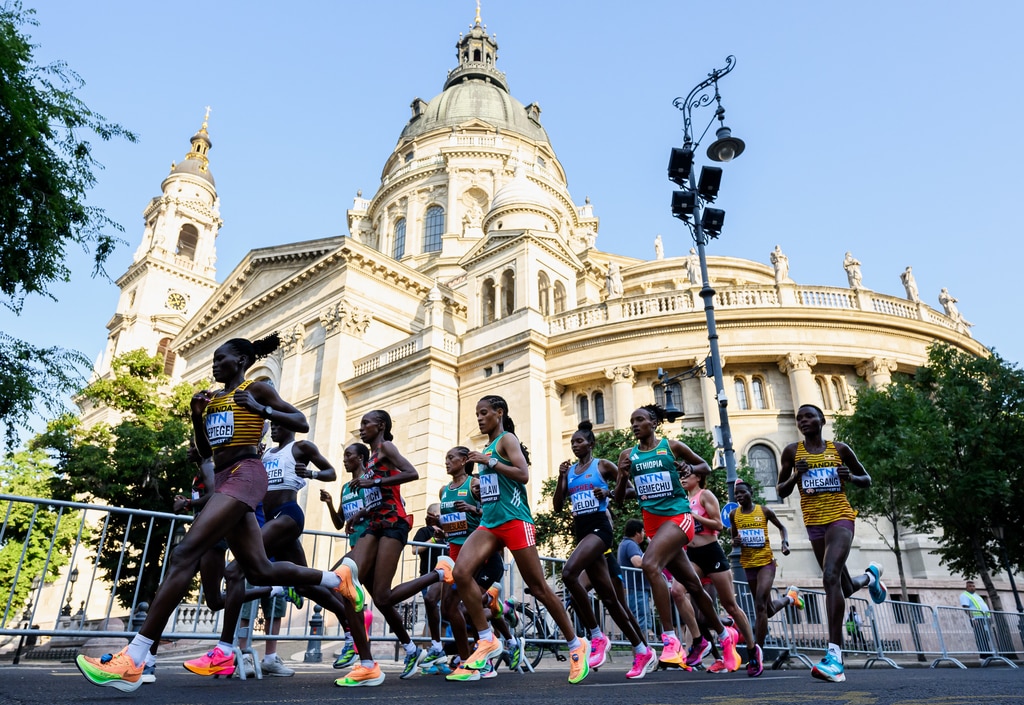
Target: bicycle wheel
<point>532,627</point>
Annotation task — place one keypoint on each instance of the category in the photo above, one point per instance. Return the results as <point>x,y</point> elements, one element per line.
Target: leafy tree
<point>46,168</point>
<point>138,462</point>
<point>885,432</point>
<point>36,536</point>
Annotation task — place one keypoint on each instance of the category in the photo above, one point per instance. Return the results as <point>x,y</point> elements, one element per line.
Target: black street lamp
<point>690,204</point>
<point>65,611</point>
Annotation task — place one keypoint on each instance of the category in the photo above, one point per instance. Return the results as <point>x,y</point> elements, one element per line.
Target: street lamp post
<point>690,204</point>
<point>65,611</point>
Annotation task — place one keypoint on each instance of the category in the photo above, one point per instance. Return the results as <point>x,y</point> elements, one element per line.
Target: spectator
<point>638,590</point>
<point>979,613</point>
<point>432,533</point>
<point>853,626</point>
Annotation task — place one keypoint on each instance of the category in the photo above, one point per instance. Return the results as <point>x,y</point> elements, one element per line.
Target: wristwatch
<point>492,462</point>
<point>376,481</point>
<point>268,412</point>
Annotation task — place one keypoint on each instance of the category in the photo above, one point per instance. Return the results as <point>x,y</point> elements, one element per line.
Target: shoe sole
<point>369,682</point>
<point>358,595</point>
<point>415,669</point>
<point>603,659</point>
<point>468,679</point>
<point>480,662</point>
<point>119,684</point>
<point>841,678</point>
<point>226,671</point>
<point>649,667</point>
<point>585,660</point>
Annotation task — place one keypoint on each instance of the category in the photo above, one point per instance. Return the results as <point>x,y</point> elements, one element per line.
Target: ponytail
<point>499,404</point>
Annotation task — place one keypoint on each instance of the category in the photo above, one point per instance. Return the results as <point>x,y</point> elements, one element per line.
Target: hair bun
<point>585,425</point>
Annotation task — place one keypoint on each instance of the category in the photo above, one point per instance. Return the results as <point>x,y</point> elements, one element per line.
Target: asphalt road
<point>314,684</point>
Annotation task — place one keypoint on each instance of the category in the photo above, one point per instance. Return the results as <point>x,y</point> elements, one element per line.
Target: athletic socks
<point>871,577</point>
<point>331,581</point>
<point>410,648</point>
<point>640,650</point>
<point>138,649</point>
<point>486,634</point>
<point>574,644</point>
<point>225,647</point>
<point>836,651</point>
<point>436,645</point>
<point>150,659</point>
<point>595,633</point>
<point>665,636</point>
<point>276,590</point>
<point>368,664</point>
<point>512,643</point>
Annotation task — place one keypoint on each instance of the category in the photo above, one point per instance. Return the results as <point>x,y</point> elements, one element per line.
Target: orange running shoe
<point>112,670</point>
<point>446,565</point>
<point>350,589</point>
<point>485,649</point>
<point>213,663</point>
<point>360,675</point>
<point>495,603</point>
<point>579,662</point>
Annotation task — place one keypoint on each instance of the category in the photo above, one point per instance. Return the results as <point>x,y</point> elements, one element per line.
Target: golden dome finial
<point>476,22</point>
<point>206,118</point>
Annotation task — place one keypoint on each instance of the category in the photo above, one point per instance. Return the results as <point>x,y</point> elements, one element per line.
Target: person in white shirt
<point>979,613</point>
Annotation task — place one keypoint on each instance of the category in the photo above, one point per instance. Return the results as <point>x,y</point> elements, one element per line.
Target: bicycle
<point>536,630</point>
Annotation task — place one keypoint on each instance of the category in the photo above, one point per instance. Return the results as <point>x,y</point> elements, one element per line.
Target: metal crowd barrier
<point>892,630</point>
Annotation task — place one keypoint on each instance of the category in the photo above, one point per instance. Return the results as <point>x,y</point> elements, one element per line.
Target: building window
<point>434,229</point>
<point>408,157</point>
<point>675,392</point>
<point>766,470</point>
<point>508,293</point>
<point>740,387</point>
<point>598,408</point>
<point>163,349</point>
<point>812,607</point>
<point>905,613</point>
<point>583,405</point>
<point>398,247</point>
<point>188,237</point>
<point>837,392</point>
<point>757,387</point>
<point>487,302</point>
<point>540,162</point>
<point>822,392</point>
<point>544,293</point>
<point>559,298</point>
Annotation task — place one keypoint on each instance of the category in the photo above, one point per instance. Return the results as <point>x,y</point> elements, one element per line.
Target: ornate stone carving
<point>291,339</point>
<point>797,361</point>
<point>876,365</point>
<point>345,317</point>
<point>619,374</point>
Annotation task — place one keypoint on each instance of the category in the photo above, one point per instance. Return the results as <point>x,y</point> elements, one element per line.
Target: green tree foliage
<point>139,462</point>
<point>885,433</point>
<point>46,168</point>
<point>37,537</point>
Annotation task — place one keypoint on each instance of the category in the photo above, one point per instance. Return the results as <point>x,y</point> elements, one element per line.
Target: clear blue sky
<point>892,129</point>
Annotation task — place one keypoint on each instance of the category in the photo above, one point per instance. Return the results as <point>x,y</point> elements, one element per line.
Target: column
<point>801,382</point>
<point>877,370</point>
<point>622,394</point>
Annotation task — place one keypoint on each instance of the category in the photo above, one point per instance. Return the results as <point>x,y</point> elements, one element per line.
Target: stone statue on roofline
<point>852,266</point>
<point>613,281</point>
<point>948,302</point>
<point>910,285</point>
<point>659,248</point>
<point>781,264</point>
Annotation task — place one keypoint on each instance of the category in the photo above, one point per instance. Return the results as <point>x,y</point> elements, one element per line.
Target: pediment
<point>499,243</point>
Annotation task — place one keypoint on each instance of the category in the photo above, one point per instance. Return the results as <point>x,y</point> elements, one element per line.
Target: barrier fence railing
<point>103,547</point>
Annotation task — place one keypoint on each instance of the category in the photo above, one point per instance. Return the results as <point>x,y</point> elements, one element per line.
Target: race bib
<point>372,497</point>
<point>220,427</point>
<point>454,524</point>
<point>752,538</point>
<point>351,508</point>
<point>584,502</point>
<point>489,489</point>
<point>275,473</point>
<point>818,480</point>
<point>653,485</point>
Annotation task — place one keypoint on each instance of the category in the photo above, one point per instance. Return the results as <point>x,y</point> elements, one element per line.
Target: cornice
<point>137,269</point>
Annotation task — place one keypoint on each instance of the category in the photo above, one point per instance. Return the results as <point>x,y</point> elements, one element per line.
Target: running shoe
<point>347,657</point>
<point>248,668</point>
<point>829,669</point>
<point>213,663</point>
<point>433,655</point>
<point>112,670</point>
<point>293,597</point>
<point>696,653</point>
<point>755,666</point>
<point>446,565</point>
<point>515,656</point>
<point>599,649</point>
<point>485,649</point>
<point>276,667</point>
<point>463,674</point>
<point>489,671</point>
<point>718,667</point>
<point>643,664</point>
<point>794,592</point>
<point>495,602</point>
<point>876,588</point>
<point>730,655</point>
<point>360,675</point>
<point>671,652</point>
<point>439,668</point>
<point>579,668</point>
<point>509,612</point>
<point>412,663</point>
<point>350,589</point>
<point>149,674</point>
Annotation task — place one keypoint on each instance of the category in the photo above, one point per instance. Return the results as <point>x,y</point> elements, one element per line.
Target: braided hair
<point>464,452</point>
<point>656,412</point>
<point>499,404</point>
<point>256,349</point>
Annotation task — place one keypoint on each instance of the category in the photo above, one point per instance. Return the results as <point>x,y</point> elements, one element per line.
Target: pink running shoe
<point>643,664</point>
<point>718,667</point>
<point>730,655</point>
<point>697,652</point>
<point>213,663</point>
<point>672,653</point>
<point>599,649</point>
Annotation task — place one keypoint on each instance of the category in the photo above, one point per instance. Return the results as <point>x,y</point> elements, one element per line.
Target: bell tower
<point>173,271</point>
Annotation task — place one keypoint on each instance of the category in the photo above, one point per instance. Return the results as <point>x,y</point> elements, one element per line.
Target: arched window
<point>508,293</point>
<point>188,237</point>
<point>544,293</point>
<point>583,405</point>
<point>757,387</point>
<point>434,229</point>
<point>740,387</point>
<point>822,392</point>
<point>163,349</point>
<point>766,470</point>
<point>837,391</point>
<point>675,395</point>
<point>598,408</point>
<point>487,302</point>
<point>398,245</point>
<point>559,298</point>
